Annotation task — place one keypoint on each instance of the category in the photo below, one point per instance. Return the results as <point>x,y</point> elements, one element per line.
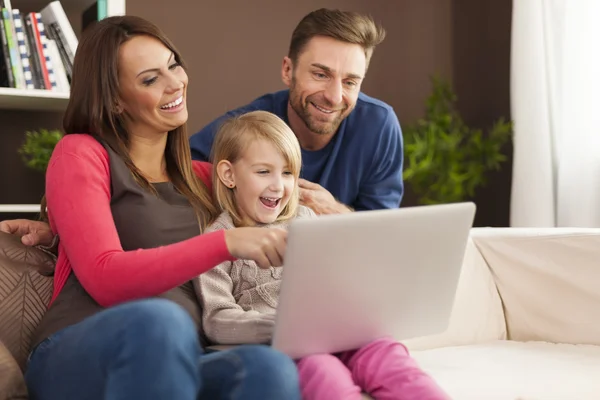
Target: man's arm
<point>383,188</point>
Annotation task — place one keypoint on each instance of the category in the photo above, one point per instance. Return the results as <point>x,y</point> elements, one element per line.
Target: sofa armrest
<point>12,383</point>
<point>477,314</point>
<point>25,290</point>
<point>24,258</point>
<point>548,279</point>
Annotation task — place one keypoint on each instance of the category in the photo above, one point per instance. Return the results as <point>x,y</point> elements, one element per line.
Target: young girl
<point>257,162</point>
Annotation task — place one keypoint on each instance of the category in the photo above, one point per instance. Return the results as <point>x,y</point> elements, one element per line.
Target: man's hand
<point>32,233</point>
<point>316,197</point>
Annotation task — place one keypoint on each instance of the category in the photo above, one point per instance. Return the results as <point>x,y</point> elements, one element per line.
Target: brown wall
<point>241,56</point>
<point>481,60</point>
<point>234,50</point>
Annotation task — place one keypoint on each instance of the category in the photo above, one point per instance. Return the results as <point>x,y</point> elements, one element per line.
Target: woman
<point>129,207</point>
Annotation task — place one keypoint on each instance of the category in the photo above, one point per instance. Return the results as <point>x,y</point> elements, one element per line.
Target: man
<point>351,143</point>
<point>352,146</point>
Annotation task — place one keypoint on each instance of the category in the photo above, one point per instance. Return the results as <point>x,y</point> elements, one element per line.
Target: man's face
<point>325,82</point>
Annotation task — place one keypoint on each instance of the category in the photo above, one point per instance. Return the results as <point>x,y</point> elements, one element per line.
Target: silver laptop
<point>351,278</point>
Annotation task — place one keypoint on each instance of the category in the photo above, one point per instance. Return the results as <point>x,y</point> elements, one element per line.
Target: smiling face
<point>325,82</point>
<point>152,87</point>
<point>262,182</point>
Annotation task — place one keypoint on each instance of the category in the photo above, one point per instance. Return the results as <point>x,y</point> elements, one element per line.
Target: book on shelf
<point>37,48</point>
<point>95,12</point>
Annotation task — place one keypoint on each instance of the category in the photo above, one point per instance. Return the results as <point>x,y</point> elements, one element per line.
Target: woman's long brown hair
<point>92,107</point>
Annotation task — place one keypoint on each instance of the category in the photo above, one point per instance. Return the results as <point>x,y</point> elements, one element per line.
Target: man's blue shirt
<point>361,166</point>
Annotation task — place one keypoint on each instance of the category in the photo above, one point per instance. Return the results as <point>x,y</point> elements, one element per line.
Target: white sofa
<point>526,318</point>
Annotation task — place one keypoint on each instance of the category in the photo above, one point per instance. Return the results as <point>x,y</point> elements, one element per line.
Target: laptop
<point>351,278</point>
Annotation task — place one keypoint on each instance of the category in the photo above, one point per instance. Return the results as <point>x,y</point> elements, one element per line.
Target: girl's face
<point>261,180</point>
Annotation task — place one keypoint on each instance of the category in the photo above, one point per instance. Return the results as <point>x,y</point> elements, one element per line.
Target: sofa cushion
<point>25,290</point>
<point>506,370</point>
<point>12,384</point>
<point>548,282</point>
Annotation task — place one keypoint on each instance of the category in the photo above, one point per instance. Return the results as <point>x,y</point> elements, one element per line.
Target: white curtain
<point>555,105</point>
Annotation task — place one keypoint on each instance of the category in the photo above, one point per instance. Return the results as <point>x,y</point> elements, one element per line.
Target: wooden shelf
<point>32,99</point>
<point>20,208</point>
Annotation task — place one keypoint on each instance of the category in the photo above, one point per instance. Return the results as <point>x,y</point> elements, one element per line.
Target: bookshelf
<point>22,109</point>
<point>47,100</point>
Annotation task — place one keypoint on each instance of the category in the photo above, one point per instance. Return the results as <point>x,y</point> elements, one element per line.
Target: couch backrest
<point>477,314</point>
<point>25,290</point>
<point>549,281</point>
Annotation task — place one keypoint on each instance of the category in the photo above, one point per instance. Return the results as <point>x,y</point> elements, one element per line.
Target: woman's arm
<point>223,320</point>
<point>38,233</point>
<point>78,194</point>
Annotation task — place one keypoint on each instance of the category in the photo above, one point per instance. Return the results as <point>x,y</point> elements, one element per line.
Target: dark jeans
<point>149,350</point>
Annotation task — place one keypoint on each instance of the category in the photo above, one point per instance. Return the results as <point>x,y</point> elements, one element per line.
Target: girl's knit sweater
<point>238,298</point>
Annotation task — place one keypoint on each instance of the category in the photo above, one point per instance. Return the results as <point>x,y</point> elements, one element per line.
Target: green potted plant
<point>38,147</point>
<point>445,160</point>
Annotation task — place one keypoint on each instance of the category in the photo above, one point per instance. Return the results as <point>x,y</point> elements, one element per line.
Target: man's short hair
<point>345,26</point>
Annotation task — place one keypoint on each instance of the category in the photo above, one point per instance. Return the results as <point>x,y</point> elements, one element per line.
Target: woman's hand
<point>266,246</point>
<point>32,233</point>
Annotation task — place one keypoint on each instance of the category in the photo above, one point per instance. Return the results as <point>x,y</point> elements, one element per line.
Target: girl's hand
<point>265,246</point>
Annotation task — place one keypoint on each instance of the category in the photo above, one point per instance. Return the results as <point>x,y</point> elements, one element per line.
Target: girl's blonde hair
<point>235,136</point>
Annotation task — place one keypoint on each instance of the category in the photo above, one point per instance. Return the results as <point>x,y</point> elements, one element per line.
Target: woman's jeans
<point>149,350</point>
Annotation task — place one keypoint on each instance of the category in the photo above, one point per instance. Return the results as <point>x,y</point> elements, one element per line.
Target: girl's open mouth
<point>270,202</point>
